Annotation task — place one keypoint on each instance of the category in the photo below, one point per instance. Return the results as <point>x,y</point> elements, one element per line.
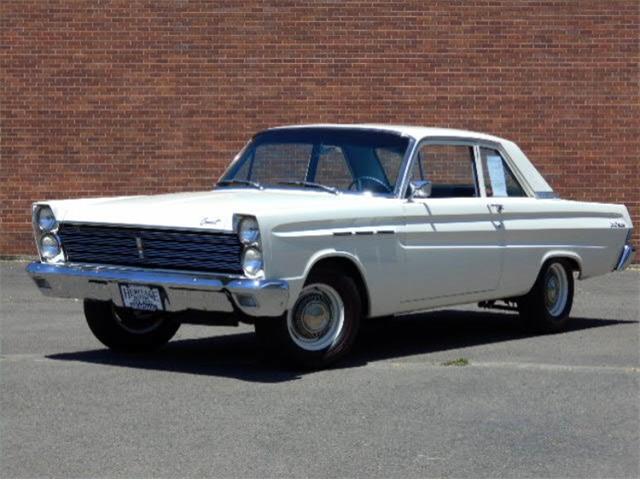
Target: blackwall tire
<point>546,308</point>
<point>321,327</point>
<point>119,330</point>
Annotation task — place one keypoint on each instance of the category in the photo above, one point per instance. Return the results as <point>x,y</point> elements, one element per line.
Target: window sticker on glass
<point>496,174</point>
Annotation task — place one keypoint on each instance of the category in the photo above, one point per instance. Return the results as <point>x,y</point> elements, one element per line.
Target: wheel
<point>546,307</point>
<point>128,330</point>
<point>322,325</point>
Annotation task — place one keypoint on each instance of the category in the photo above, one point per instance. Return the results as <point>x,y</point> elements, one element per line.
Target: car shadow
<point>240,356</point>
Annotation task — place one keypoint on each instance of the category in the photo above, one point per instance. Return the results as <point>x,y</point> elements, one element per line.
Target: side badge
<point>209,221</point>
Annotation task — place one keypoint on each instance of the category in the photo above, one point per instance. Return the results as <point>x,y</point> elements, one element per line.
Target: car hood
<point>208,210</point>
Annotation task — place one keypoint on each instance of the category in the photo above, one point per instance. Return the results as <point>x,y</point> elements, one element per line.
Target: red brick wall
<point>113,98</point>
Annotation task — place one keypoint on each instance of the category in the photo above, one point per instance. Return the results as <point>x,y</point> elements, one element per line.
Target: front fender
<point>296,283</point>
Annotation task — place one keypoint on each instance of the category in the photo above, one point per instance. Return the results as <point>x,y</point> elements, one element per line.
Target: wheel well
<point>349,268</point>
<point>572,262</point>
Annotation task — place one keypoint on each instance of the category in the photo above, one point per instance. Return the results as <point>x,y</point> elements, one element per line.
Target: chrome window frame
<point>476,144</point>
<point>517,175</point>
<point>447,141</point>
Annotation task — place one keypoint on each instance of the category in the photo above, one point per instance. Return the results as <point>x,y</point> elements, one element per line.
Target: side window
<point>499,181</point>
<point>450,168</point>
<point>332,168</point>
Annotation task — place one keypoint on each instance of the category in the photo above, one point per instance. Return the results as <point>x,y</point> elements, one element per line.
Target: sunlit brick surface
<point>115,98</point>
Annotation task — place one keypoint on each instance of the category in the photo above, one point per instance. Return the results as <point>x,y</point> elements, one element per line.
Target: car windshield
<point>326,159</point>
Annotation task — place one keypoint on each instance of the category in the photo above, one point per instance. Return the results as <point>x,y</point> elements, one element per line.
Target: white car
<point>314,229</point>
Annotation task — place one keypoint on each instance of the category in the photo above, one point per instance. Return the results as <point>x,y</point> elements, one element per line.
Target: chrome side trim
<point>626,257</point>
<point>209,292</point>
<point>363,232</point>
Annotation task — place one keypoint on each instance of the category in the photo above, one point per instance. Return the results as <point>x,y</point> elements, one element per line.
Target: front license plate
<point>141,297</point>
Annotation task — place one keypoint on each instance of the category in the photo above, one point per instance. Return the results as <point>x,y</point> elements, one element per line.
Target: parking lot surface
<point>212,404</point>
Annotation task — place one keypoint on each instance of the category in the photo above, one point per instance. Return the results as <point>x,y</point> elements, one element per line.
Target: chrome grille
<point>152,248</point>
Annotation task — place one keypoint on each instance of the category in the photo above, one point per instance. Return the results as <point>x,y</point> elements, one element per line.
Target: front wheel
<point>128,330</point>
<point>322,325</point>
<point>547,306</point>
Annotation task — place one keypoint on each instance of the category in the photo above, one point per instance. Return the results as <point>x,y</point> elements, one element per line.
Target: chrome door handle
<point>497,206</point>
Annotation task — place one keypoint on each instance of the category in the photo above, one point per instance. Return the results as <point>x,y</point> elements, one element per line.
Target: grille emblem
<point>140,248</point>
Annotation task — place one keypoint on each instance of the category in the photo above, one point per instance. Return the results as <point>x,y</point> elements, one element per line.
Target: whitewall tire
<point>547,306</point>
<point>322,325</point>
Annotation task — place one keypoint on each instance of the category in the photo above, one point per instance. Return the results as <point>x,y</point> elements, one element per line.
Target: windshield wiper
<point>235,181</point>
<point>320,186</point>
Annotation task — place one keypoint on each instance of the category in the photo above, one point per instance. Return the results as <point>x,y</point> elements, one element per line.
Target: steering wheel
<point>358,182</point>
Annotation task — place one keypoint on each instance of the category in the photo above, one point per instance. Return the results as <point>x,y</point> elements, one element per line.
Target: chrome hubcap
<point>317,318</point>
<point>556,289</point>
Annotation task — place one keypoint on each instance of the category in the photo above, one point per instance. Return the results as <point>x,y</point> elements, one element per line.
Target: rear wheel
<point>547,306</point>
<point>322,325</point>
<point>129,330</point>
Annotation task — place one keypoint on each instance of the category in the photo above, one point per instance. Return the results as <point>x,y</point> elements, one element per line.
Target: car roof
<point>416,132</point>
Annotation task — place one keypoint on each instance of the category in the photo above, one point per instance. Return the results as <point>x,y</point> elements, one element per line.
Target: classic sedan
<point>315,229</point>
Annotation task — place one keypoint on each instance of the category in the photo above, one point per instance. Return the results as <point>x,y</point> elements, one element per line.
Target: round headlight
<point>46,220</point>
<point>252,261</point>
<point>248,231</point>
<point>49,247</point>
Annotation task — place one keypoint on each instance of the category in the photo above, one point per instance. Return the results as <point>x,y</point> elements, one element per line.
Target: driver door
<point>453,240</point>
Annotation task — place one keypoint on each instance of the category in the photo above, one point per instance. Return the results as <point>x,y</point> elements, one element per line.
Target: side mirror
<point>419,189</point>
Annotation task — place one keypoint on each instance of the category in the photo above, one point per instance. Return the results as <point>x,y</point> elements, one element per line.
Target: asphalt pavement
<point>212,404</point>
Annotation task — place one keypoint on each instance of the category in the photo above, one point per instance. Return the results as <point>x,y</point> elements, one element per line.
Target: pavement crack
<point>526,366</point>
<point>557,367</point>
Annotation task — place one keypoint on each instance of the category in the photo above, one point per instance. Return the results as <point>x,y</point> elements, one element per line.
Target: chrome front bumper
<point>197,291</point>
<point>626,257</point>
